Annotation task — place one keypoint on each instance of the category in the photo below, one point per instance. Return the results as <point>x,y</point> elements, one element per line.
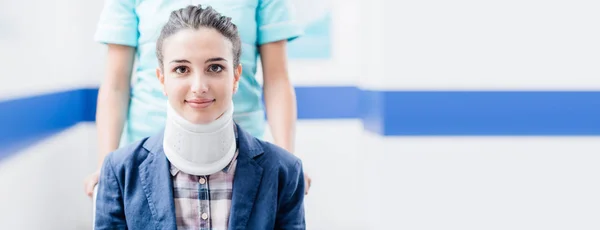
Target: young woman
<point>202,171</point>
<point>127,113</point>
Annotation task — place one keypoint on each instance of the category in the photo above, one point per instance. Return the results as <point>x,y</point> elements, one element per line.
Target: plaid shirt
<point>203,202</point>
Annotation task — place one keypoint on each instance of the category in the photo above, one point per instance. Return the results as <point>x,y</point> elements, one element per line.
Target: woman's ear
<point>161,79</point>
<point>236,78</point>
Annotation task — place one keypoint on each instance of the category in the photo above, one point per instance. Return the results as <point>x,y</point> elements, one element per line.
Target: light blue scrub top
<point>138,23</point>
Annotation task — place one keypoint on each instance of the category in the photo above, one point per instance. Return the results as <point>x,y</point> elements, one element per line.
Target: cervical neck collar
<point>199,149</point>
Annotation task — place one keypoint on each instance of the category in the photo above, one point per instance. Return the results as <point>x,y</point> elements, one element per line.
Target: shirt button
<point>202,180</point>
<point>204,216</point>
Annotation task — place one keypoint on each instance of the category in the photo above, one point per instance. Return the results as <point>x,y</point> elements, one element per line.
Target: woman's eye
<point>181,70</point>
<point>215,68</point>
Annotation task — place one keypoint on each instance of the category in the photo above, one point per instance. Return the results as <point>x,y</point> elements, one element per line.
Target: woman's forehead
<point>203,43</point>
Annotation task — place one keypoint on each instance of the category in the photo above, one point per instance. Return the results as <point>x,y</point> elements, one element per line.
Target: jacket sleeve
<point>290,213</point>
<point>110,212</point>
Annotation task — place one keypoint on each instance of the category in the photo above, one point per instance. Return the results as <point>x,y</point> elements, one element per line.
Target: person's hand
<point>307,181</point>
<point>90,182</point>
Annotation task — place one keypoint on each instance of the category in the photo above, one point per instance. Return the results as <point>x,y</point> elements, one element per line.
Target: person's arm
<point>280,98</point>
<point>113,101</point>
<point>118,28</point>
<point>276,27</point>
<point>110,212</point>
<point>290,212</point>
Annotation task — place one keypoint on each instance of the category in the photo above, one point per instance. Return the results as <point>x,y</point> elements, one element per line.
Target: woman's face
<point>198,75</point>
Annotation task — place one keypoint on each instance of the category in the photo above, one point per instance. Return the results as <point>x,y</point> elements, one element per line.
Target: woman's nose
<point>199,85</point>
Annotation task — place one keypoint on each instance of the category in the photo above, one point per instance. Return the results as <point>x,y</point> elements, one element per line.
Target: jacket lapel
<point>157,184</point>
<point>248,175</point>
<point>158,187</point>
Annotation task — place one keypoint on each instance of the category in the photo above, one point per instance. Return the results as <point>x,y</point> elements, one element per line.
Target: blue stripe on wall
<point>393,113</point>
<point>327,102</point>
<point>26,120</point>
<point>482,113</point>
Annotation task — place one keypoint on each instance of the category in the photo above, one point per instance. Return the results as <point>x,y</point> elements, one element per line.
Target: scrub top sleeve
<point>276,21</point>
<point>118,23</point>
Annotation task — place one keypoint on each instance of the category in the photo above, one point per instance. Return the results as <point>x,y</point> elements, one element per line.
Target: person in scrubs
<point>130,28</point>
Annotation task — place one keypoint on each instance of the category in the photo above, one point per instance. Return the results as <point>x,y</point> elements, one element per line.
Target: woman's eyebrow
<point>215,59</point>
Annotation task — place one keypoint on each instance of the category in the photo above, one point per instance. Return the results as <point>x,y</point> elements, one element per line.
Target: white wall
<point>47,46</point>
<point>341,69</point>
<point>481,45</point>
<point>42,186</point>
<point>483,182</point>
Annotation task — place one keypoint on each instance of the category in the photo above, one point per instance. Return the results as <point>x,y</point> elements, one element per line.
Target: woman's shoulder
<point>266,154</point>
<point>275,157</point>
<point>282,166</point>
